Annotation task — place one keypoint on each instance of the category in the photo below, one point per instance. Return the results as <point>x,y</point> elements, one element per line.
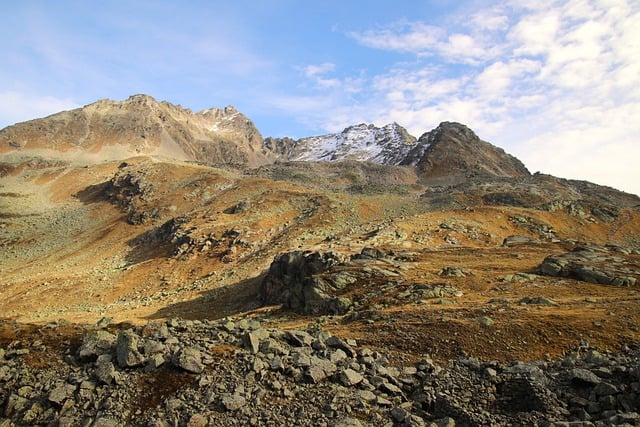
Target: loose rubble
<point>239,372</point>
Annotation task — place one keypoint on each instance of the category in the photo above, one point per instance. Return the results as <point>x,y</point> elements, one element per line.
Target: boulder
<point>127,349</point>
<point>189,359</point>
<point>294,280</point>
<point>96,343</point>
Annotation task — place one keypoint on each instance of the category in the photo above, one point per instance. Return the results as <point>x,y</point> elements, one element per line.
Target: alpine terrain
<point>160,267</point>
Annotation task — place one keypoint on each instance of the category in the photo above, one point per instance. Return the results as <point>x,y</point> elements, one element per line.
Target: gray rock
<point>60,393</point>
<point>584,376</point>
<point>605,389</point>
<point>347,422</point>
<point>233,402</point>
<point>293,281</point>
<point>189,359</point>
<point>399,414</point>
<point>454,272</point>
<point>320,369</point>
<point>349,377</point>
<point>251,342</point>
<point>538,301</point>
<point>299,338</point>
<point>335,342</point>
<point>594,264</point>
<point>127,352</point>
<point>105,371</point>
<point>516,240</point>
<point>96,343</point>
<point>105,422</point>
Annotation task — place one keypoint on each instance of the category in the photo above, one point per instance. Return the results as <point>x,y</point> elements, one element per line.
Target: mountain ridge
<point>140,125</point>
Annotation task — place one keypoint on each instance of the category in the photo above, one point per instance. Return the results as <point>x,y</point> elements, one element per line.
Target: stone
<point>96,343</point>
<point>454,272</point>
<point>538,301</point>
<point>189,359</point>
<point>399,414</point>
<point>338,355</point>
<point>335,342</point>
<point>60,393</point>
<point>591,263</point>
<point>292,280</point>
<point>105,422</point>
<point>299,338</point>
<point>198,420</point>
<point>584,377</point>
<point>154,362</point>
<point>605,389</point>
<point>127,352</point>
<point>485,321</point>
<point>347,422</point>
<point>251,342</point>
<point>349,377</point>
<point>515,240</point>
<point>233,402</point>
<point>105,371</point>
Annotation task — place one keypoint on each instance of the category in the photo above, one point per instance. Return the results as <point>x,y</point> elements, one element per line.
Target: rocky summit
<point>160,267</point>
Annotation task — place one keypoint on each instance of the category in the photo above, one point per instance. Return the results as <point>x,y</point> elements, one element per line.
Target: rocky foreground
<point>242,372</point>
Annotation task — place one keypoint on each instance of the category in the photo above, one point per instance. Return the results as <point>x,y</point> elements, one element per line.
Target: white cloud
<point>555,83</point>
<point>427,40</point>
<point>18,107</point>
<point>314,70</point>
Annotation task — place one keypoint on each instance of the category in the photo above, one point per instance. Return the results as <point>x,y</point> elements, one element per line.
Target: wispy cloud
<point>551,83</point>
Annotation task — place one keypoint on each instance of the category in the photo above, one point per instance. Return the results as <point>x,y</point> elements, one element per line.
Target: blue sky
<point>556,83</point>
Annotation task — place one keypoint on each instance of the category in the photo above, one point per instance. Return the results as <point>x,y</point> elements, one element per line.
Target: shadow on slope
<point>218,303</point>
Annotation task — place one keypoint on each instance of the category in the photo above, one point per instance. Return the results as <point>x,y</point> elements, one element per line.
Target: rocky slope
<point>449,288</point>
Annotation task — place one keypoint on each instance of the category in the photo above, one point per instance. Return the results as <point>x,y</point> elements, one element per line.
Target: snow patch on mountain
<point>364,142</point>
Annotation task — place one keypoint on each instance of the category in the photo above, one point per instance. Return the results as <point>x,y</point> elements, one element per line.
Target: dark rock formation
<point>294,280</point>
<point>595,264</point>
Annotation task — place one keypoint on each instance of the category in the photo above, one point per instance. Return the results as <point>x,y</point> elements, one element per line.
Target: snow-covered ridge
<point>389,144</point>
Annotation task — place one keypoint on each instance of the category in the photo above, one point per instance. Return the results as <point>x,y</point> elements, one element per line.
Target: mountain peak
<point>454,151</point>
<point>363,142</point>
<point>139,125</point>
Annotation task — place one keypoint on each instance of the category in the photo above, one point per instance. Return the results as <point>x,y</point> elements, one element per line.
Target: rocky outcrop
<point>295,280</point>
<point>610,265</point>
<point>238,372</point>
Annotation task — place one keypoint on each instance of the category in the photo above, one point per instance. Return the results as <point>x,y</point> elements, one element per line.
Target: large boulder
<point>295,280</point>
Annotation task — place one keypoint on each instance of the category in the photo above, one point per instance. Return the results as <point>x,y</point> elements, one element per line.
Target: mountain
<point>364,142</point>
<point>140,125</point>
<point>454,152</point>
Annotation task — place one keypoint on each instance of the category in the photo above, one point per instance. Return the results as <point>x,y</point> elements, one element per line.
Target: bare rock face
<point>140,125</point>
